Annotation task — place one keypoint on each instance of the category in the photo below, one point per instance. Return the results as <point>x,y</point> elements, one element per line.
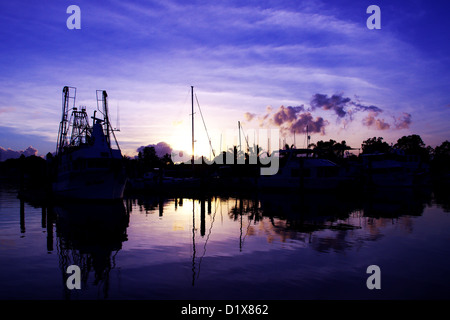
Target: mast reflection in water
<point>90,236</point>
<point>207,246</point>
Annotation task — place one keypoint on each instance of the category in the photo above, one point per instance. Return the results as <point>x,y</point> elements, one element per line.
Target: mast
<point>108,130</point>
<point>192,105</point>
<point>106,115</point>
<point>294,139</point>
<point>308,139</point>
<point>240,145</point>
<point>64,124</point>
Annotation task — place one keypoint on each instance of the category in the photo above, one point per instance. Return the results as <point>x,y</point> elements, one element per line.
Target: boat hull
<point>298,183</point>
<point>90,184</point>
<point>401,179</point>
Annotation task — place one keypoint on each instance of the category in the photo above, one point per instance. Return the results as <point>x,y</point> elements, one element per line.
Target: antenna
<point>294,138</point>
<point>239,126</point>
<point>117,128</point>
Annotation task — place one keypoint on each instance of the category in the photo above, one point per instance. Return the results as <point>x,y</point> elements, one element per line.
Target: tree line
<point>35,167</point>
<point>410,145</point>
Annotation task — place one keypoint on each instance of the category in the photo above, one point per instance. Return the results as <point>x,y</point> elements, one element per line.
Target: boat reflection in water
<point>308,215</point>
<point>224,226</point>
<point>184,247</point>
<point>90,236</point>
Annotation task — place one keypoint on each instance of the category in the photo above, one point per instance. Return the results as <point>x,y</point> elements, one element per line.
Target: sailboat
<point>86,164</point>
<point>180,179</point>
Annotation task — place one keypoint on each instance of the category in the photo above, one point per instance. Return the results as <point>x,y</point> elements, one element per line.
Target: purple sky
<point>246,59</point>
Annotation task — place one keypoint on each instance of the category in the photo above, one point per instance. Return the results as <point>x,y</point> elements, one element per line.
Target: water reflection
<point>393,203</point>
<point>336,222</point>
<point>90,236</point>
<point>290,214</point>
<point>322,222</point>
<point>441,196</point>
<point>208,227</point>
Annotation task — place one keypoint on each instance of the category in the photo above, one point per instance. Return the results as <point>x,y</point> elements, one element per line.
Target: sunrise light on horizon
<point>286,65</point>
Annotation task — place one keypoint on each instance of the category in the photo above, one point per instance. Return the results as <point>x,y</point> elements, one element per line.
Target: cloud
<point>286,115</point>
<point>372,121</point>
<point>306,123</point>
<point>403,121</point>
<point>335,103</point>
<point>249,116</point>
<point>342,106</point>
<point>292,119</point>
<point>345,108</point>
<point>161,148</point>
<point>14,154</point>
<point>6,109</point>
<point>300,119</point>
<point>296,119</point>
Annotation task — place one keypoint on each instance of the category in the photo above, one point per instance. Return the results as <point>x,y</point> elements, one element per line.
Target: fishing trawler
<point>86,165</point>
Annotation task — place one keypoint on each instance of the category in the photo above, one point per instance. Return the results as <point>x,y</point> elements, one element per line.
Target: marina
<point>224,159</point>
<point>261,246</point>
<point>151,229</point>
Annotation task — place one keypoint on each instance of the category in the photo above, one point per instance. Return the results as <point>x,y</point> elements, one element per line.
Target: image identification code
<point>237,309</point>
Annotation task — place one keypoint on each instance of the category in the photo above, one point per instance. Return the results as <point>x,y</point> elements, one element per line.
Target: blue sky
<point>245,59</point>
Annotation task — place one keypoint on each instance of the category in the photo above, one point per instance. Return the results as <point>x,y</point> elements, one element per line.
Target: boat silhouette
<point>299,169</point>
<point>86,164</point>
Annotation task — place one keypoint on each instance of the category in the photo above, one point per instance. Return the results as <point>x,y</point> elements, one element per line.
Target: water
<point>266,246</point>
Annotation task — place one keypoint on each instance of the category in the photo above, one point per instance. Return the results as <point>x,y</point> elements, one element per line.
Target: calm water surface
<point>267,246</point>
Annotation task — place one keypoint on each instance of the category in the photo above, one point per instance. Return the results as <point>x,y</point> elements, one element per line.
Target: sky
<point>287,65</point>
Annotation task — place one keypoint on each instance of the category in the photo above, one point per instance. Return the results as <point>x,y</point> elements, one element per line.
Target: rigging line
<point>181,103</point>
<point>248,228</point>
<point>204,124</point>
<point>193,242</point>
<point>245,137</point>
<point>207,239</point>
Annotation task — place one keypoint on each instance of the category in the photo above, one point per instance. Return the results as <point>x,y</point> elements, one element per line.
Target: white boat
<point>157,180</point>
<point>87,166</point>
<point>298,169</point>
<point>394,169</point>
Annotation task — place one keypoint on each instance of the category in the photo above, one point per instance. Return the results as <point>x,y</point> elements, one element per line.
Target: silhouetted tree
<point>442,151</point>
<point>413,144</point>
<point>167,160</point>
<point>410,143</point>
<point>149,159</point>
<point>441,158</point>
<point>331,149</point>
<point>375,145</point>
<point>340,149</point>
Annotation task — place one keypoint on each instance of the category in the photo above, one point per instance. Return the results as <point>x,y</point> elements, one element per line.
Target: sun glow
<point>181,140</point>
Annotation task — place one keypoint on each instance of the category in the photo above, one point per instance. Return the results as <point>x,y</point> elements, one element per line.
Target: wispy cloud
<point>242,56</point>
